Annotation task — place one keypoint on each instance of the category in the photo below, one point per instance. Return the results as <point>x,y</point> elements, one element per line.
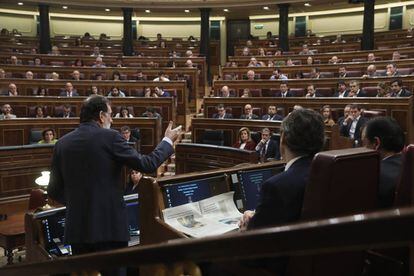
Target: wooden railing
<point>390,228</point>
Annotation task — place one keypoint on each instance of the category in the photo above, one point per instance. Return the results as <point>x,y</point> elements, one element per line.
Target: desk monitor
<point>247,186</point>
<point>53,230</point>
<point>53,226</point>
<point>131,203</point>
<point>194,190</point>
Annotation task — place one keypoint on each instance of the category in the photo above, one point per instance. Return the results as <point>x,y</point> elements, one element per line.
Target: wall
<point>329,22</point>
<point>25,22</point>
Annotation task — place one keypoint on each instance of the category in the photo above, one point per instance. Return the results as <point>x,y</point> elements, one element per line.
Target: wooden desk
<point>12,234</point>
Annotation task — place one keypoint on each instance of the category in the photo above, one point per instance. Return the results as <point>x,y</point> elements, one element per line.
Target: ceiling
<point>237,8</point>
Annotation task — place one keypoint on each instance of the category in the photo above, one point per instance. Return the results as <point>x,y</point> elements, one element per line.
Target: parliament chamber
<point>232,74</point>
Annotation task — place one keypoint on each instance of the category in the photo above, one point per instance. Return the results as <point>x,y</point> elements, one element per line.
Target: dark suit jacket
<point>389,175</point>
<point>254,117</point>
<point>275,117</point>
<point>337,94</point>
<point>362,93</point>
<point>289,94</point>
<point>272,150</point>
<point>250,145</point>
<point>71,115</point>
<point>281,196</point>
<point>86,177</point>
<point>357,135</point>
<point>74,93</point>
<point>404,93</point>
<point>226,116</point>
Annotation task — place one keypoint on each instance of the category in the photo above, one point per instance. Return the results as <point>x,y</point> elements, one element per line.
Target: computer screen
<point>248,184</point>
<point>53,226</point>
<point>131,202</point>
<point>195,190</point>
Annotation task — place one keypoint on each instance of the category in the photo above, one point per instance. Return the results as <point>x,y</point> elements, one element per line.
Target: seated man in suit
<point>352,126</point>
<point>267,148</point>
<point>225,92</point>
<point>355,90</point>
<point>67,112</point>
<point>397,89</point>
<point>392,70</point>
<point>342,92</point>
<point>248,113</point>
<point>150,112</point>
<point>126,133</point>
<point>221,113</point>
<point>284,90</point>
<point>311,92</point>
<point>342,72</point>
<point>7,112</point>
<point>384,135</point>
<point>347,110</point>
<point>272,114</point>
<point>69,91</point>
<point>11,91</point>
<point>281,196</point>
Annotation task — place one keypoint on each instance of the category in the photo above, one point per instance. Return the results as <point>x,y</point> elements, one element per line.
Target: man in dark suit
<point>69,91</point>
<point>392,70</point>
<point>267,148</point>
<point>281,196</point>
<point>355,90</point>
<point>311,92</point>
<point>284,90</point>
<point>342,92</point>
<point>66,112</point>
<point>86,177</point>
<point>221,113</point>
<point>347,110</point>
<point>384,135</point>
<point>248,113</point>
<point>352,126</point>
<point>272,114</point>
<point>397,89</point>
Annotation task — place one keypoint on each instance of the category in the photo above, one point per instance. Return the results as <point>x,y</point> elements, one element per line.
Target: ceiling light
<point>107,10</point>
<point>307,4</point>
<point>20,3</point>
<point>147,11</point>
<point>226,10</point>
<point>266,8</point>
<point>65,7</point>
<point>187,11</point>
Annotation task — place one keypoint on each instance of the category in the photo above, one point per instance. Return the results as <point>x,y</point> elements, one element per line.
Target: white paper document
<point>212,216</point>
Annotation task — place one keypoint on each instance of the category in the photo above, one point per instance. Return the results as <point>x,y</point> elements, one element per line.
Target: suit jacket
<point>281,196</point>
<point>74,93</point>
<point>226,116</point>
<point>337,94</point>
<point>250,145</point>
<point>61,115</point>
<point>288,94</point>
<point>254,117</point>
<point>404,93</point>
<point>86,177</point>
<point>362,93</point>
<point>389,175</point>
<point>357,135</point>
<point>272,150</point>
<point>275,117</point>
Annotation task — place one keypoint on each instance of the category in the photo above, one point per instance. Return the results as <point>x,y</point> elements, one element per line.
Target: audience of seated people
<point>221,113</point>
<point>49,136</point>
<point>384,135</point>
<point>245,140</point>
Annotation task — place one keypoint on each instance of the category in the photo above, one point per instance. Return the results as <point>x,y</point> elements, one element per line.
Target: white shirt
<point>242,146</point>
<point>353,127</point>
<point>290,163</point>
<point>341,95</point>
